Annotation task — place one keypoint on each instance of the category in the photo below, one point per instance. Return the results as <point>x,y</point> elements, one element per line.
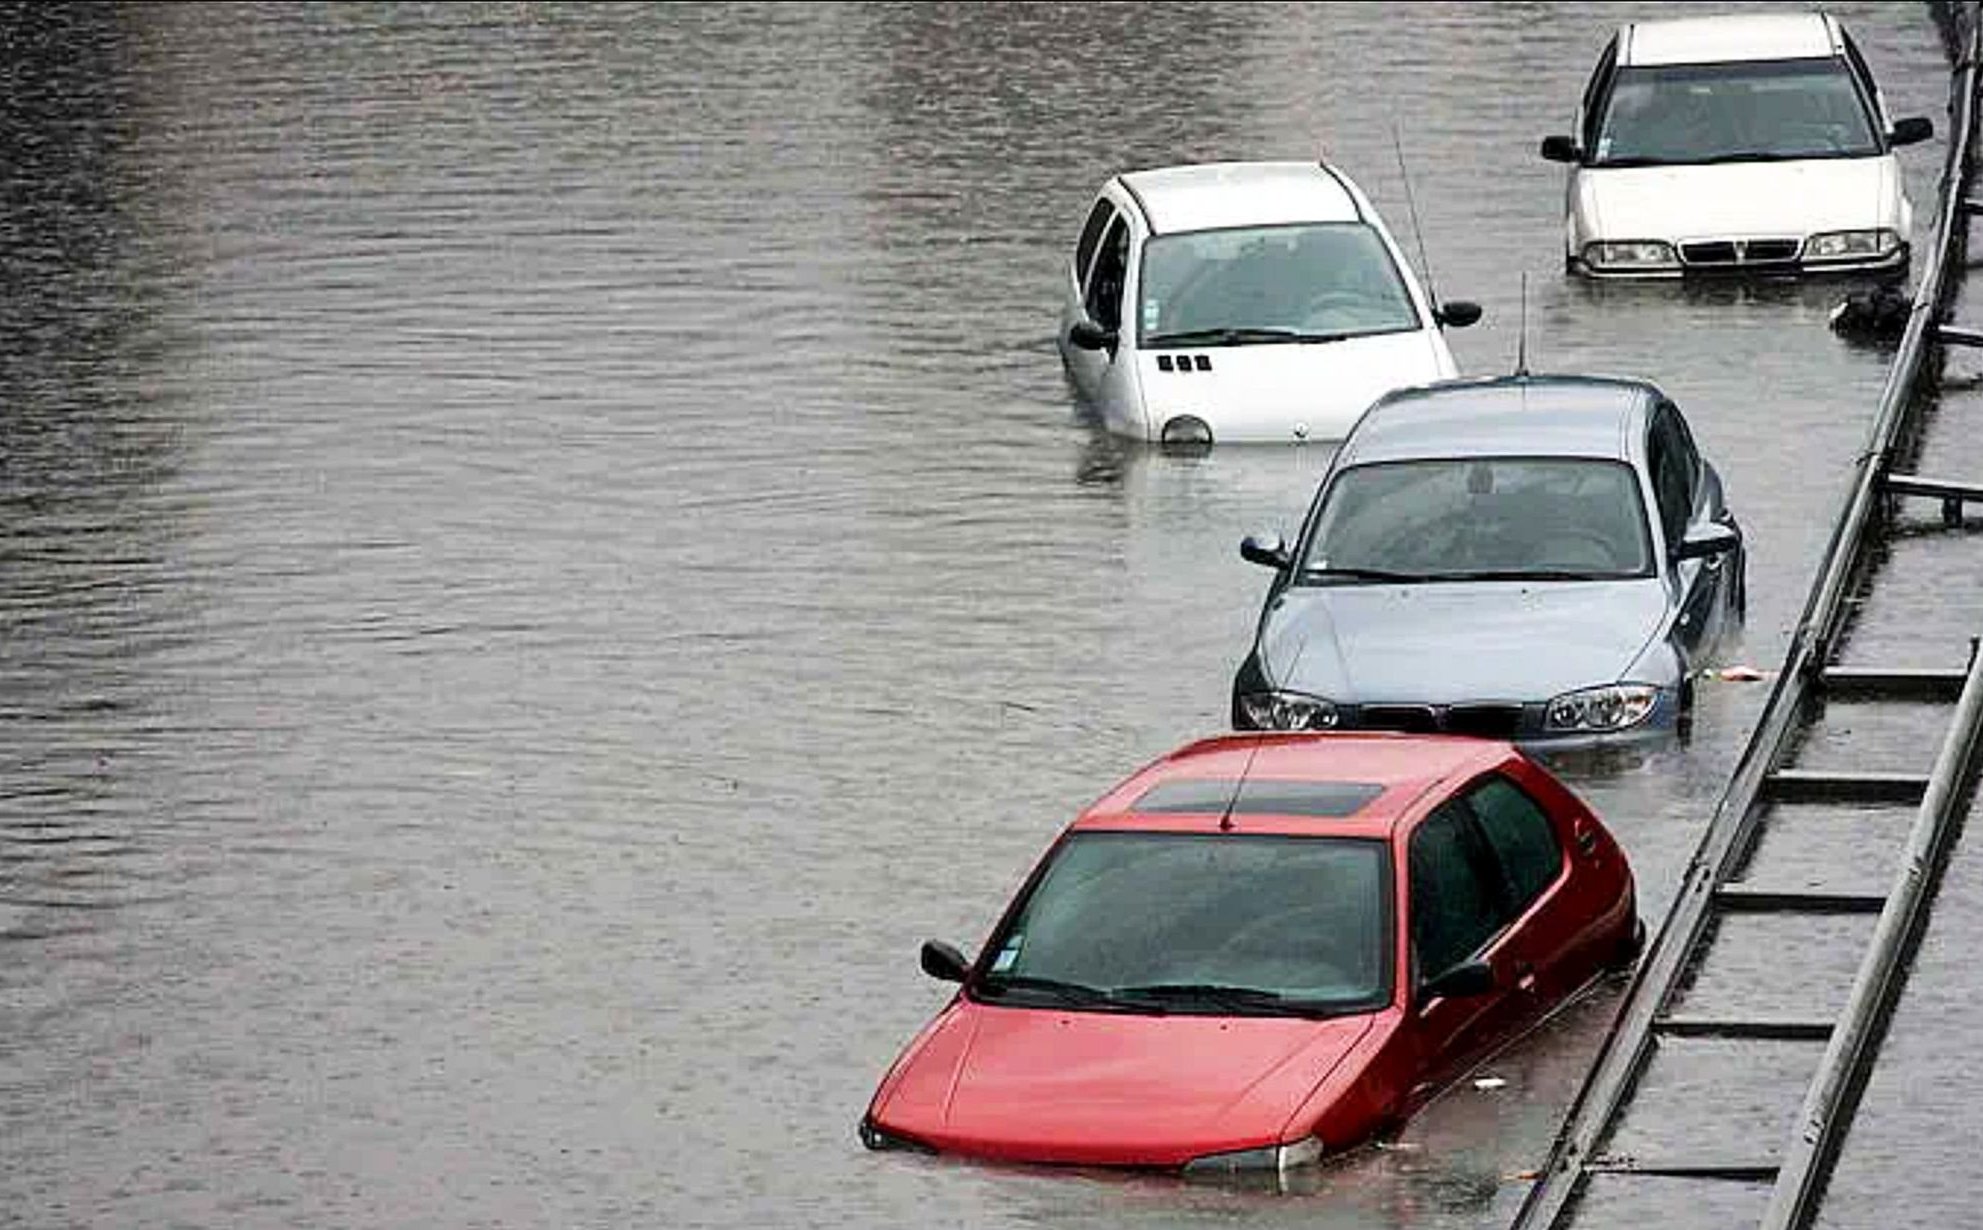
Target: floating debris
<point>1879,314</point>
<point>1735,674</point>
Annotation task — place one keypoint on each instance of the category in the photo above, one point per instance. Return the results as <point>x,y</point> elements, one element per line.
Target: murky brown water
<point>543,549</point>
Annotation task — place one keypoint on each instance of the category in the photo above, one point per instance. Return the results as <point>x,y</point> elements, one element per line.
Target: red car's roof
<point>1398,768</point>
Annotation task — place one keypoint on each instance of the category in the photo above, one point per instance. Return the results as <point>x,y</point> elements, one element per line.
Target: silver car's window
<point>1481,518</point>
<point>1305,282</point>
<point>1167,920</point>
<point>1757,111</point>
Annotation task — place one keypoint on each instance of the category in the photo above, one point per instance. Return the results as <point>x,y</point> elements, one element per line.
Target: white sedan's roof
<point>1212,195</point>
<point>1713,40</point>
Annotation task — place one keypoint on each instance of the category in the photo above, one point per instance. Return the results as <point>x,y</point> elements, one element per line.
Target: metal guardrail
<point>1799,1171</point>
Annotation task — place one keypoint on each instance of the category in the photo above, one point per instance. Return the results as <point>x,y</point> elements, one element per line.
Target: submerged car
<point>1751,143</point>
<point>1244,301</point>
<point>1527,557</point>
<point>1262,950</point>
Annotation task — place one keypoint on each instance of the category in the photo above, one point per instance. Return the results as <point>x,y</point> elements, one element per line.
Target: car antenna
<point>1232,800</point>
<point>1411,206</point>
<point>1522,335</point>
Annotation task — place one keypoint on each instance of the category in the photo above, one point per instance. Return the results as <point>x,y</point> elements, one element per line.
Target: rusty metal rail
<point>1796,1171</point>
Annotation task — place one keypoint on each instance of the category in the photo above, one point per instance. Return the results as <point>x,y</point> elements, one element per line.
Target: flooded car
<point>1244,301</point>
<point>1261,950</point>
<point>1754,143</point>
<point>1532,558</point>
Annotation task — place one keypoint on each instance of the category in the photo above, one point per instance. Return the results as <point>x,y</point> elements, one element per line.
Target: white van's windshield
<point>1758,111</point>
<point>1308,282</point>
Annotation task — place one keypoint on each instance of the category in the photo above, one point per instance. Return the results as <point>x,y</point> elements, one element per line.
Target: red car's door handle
<point>1586,839</point>
<point>1525,977</point>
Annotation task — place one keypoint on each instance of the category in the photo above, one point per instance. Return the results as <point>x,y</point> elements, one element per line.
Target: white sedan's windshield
<point>1226,924</point>
<point>1481,518</point>
<point>1306,282</point>
<point>1764,110</point>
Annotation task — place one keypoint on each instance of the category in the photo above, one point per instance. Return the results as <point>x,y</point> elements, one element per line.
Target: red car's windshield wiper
<point>1227,998</point>
<point>1053,990</point>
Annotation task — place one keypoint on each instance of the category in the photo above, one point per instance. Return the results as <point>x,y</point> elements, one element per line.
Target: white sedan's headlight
<point>1287,711</point>
<point>1851,245</point>
<point>1614,706</point>
<point>1273,1159</point>
<point>1630,254</point>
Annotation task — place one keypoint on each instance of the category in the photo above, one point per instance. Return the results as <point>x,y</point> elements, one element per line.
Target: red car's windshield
<point>1225,924</point>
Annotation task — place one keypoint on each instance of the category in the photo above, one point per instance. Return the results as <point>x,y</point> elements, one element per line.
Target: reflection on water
<point>546,548</point>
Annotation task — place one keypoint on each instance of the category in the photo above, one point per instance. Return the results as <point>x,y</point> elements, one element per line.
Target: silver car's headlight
<point>1287,711</point>
<point>1273,1159</point>
<point>1615,706</point>
<point>1630,254</point>
<point>1851,245</point>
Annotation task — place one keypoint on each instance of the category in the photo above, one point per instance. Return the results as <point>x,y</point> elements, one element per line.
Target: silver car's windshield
<point>1219,923</point>
<point>1481,518</point>
<point>1299,283</point>
<point>1758,111</point>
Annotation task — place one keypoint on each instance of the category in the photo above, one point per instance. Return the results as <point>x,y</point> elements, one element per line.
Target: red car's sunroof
<point>1253,797</point>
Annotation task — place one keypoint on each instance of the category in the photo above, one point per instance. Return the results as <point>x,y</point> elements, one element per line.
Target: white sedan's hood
<point>1288,391</point>
<point>1736,199</point>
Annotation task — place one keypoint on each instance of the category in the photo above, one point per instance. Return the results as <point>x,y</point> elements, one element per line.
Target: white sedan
<point>1244,301</point>
<point>1749,144</point>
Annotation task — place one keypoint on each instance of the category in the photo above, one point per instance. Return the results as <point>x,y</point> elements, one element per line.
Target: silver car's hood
<point>1462,641</point>
<point>1795,198</point>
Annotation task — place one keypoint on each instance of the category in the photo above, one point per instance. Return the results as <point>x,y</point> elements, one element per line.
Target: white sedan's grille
<point>1735,252</point>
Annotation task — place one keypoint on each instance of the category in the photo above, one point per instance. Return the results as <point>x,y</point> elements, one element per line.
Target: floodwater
<point>543,549</point>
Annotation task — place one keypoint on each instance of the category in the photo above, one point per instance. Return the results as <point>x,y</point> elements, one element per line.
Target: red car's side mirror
<point>941,960</point>
<point>1463,981</point>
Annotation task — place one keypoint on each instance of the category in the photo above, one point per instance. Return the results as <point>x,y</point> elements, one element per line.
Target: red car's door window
<point>1521,837</point>
<point>1456,902</point>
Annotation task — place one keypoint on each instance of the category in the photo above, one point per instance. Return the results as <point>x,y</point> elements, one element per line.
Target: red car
<point>1261,949</point>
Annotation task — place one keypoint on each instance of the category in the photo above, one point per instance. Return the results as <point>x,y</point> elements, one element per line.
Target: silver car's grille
<point>1482,720</point>
<point>1485,721</point>
<point>1417,719</point>
<point>1728,253</point>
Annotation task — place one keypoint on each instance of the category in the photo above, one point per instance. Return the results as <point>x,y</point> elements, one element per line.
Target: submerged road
<point>544,549</point>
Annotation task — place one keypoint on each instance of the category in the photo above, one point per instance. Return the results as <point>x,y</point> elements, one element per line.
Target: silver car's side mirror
<point>1265,549</point>
<point>1706,541</point>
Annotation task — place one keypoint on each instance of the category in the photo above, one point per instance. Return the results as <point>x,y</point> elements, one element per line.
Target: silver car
<point>1530,558</point>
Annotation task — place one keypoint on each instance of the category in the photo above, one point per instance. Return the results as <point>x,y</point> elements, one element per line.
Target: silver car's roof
<point>1721,39</point>
<point>1504,416</point>
<point>1215,195</point>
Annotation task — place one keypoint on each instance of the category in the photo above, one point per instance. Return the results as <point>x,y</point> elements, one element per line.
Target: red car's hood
<point>1094,1088</point>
